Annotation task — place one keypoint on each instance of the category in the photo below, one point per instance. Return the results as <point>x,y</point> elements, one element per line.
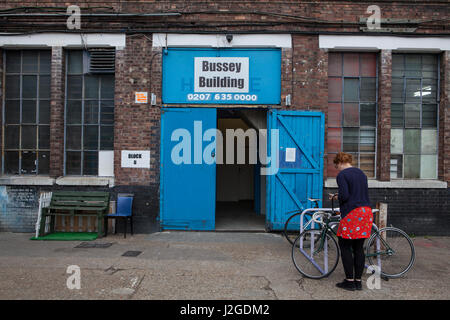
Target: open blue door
<point>188,169</point>
<point>300,174</point>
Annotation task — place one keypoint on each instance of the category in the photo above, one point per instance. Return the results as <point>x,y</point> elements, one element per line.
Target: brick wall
<point>136,126</point>
<point>444,119</point>
<point>416,211</point>
<point>303,76</point>
<point>57,112</point>
<point>384,115</point>
<point>1,99</point>
<point>235,15</point>
<point>309,74</point>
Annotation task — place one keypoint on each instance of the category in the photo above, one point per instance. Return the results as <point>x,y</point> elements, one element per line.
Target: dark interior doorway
<point>239,205</point>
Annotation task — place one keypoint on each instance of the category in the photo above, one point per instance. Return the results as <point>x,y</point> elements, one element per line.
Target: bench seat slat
<point>79,203</point>
<point>81,193</point>
<point>77,208</point>
<point>78,214</point>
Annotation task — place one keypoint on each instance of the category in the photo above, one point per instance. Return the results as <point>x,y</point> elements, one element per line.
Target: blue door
<point>188,169</point>
<point>300,155</point>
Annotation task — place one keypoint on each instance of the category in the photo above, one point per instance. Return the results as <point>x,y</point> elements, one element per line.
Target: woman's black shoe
<point>358,285</point>
<point>347,285</point>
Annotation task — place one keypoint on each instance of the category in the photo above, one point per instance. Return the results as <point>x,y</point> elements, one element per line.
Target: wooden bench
<point>76,203</point>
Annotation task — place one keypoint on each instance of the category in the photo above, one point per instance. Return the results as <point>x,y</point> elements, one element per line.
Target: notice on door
<point>221,74</point>
<point>135,159</point>
<point>290,155</point>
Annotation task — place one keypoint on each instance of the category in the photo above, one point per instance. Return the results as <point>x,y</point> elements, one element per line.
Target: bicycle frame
<point>323,240</point>
<point>389,250</point>
<point>323,235</point>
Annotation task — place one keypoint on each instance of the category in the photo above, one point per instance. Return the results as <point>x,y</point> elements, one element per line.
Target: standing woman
<point>356,219</point>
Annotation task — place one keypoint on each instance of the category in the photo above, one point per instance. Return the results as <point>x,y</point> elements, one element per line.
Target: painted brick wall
<point>18,208</point>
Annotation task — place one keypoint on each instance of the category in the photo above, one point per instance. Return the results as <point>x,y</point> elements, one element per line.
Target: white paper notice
<point>290,154</point>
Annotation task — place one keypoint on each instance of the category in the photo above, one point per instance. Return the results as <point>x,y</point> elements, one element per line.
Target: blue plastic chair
<point>124,212</point>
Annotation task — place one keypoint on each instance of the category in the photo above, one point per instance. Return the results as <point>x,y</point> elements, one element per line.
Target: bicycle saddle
<point>314,200</point>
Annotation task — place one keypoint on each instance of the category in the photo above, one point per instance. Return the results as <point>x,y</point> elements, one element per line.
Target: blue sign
<point>221,76</point>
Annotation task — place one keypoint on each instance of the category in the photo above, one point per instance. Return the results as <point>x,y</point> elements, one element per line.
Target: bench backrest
<point>71,199</point>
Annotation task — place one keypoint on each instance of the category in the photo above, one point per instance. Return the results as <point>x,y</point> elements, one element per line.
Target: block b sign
<point>221,76</point>
<point>135,159</point>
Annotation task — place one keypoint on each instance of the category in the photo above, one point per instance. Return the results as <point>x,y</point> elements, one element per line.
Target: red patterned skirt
<point>357,224</point>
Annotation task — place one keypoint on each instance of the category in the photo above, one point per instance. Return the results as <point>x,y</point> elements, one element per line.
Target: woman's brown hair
<point>343,157</point>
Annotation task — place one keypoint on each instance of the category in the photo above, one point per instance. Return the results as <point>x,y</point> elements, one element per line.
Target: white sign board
<point>221,74</point>
<point>135,159</point>
<point>290,154</point>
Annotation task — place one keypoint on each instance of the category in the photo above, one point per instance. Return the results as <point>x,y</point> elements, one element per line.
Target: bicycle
<point>383,248</point>
<point>291,235</point>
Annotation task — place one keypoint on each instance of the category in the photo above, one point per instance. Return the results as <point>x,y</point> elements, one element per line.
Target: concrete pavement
<point>197,265</point>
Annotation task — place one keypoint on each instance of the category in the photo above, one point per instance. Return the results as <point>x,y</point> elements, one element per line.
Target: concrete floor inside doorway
<point>238,216</point>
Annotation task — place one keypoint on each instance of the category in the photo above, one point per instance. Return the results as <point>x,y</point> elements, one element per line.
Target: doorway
<point>240,189</point>
<point>193,195</point>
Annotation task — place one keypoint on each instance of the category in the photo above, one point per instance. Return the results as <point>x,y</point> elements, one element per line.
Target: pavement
<point>197,266</point>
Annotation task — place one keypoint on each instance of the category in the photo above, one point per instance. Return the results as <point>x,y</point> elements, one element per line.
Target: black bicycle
<point>316,253</point>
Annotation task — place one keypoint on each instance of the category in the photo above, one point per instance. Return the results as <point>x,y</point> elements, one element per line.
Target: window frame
<point>83,74</point>
<point>404,127</point>
<point>360,102</point>
<point>37,99</point>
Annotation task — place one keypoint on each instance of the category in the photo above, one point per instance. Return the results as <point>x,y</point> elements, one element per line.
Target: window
<point>352,109</point>
<point>89,115</point>
<point>26,120</point>
<point>414,114</point>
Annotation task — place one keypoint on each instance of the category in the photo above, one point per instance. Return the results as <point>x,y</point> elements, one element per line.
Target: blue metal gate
<point>188,170</point>
<point>300,174</point>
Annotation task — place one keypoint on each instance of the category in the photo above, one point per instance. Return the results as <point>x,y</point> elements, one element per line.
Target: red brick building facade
<point>325,37</point>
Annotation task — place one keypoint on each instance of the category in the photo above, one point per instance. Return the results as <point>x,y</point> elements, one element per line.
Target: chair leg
<point>100,225</point>
<point>125,231</point>
<point>105,225</point>
<point>131,222</point>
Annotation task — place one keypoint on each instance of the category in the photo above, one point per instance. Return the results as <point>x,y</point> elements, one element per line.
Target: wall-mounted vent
<point>102,60</point>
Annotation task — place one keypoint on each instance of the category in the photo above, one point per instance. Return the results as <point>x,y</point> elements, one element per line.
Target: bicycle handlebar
<point>317,216</point>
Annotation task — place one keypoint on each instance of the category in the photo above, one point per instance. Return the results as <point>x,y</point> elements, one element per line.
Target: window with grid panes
<point>352,109</point>
<point>26,120</point>
<point>89,116</point>
<point>414,114</point>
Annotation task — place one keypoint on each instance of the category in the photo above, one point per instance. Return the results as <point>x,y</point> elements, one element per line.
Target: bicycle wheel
<point>310,261</point>
<point>392,250</point>
<point>290,234</point>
